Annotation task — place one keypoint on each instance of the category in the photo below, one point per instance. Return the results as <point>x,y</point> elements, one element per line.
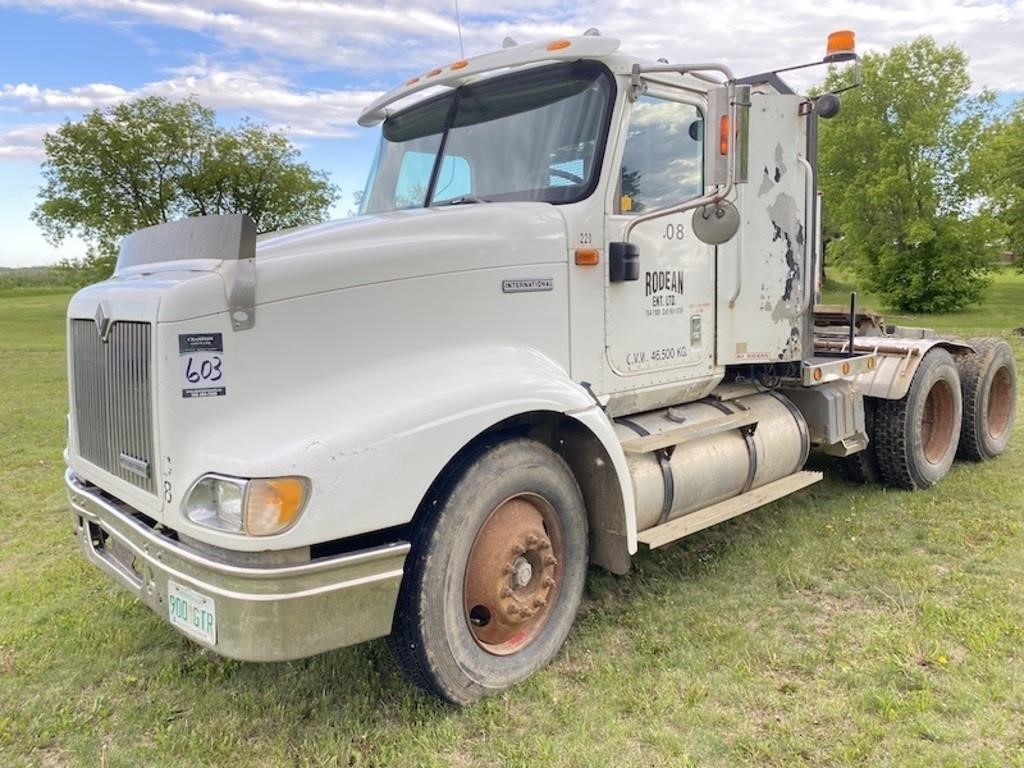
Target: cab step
<point>673,530</point>
<point>687,432</point>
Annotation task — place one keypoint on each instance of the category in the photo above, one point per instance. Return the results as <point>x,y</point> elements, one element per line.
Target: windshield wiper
<point>464,200</point>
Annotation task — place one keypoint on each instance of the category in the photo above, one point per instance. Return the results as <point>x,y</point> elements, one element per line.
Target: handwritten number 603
<point>208,370</point>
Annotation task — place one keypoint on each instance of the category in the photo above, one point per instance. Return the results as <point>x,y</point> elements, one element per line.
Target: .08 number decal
<point>673,232</point>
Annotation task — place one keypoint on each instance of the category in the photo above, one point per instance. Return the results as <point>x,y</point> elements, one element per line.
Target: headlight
<point>258,507</point>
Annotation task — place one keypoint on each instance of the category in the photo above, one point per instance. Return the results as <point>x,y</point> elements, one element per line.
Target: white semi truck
<point>576,315</point>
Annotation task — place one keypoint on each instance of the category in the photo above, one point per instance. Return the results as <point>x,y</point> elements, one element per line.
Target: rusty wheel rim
<point>1000,404</point>
<point>513,574</point>
<point>937,422</point>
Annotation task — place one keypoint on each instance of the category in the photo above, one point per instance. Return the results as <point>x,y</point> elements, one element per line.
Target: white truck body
<point>373,357</point>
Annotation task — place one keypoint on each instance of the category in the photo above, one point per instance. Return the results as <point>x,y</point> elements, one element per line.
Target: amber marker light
<point>273,504</point>
<point>846,368</point>
<point>412,81</point>
<point>557,45</point>
<point>587,257</point>
<point>841,46</point>
<point>460,65</point>
<point>817,374</point>
<point>434,72</point>
<point>723,135</point>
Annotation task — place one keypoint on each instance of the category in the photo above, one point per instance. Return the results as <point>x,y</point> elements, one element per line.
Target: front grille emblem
<point>102,319</point>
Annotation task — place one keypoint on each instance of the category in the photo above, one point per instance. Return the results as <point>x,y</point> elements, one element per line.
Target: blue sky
<point>308,67</point>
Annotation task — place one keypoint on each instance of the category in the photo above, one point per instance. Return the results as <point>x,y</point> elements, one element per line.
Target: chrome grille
<point>113,399</point>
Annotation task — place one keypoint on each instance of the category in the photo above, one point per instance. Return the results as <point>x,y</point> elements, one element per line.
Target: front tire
<point>496,574</point>
<point>916,437</point>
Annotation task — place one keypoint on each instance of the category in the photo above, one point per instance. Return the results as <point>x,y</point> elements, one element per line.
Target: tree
<point>894,169</point>
<point>999,168</point>
<point>149,161</point>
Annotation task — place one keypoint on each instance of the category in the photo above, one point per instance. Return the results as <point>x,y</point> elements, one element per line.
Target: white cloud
<point>413,35</point>
<point>32,98</point>
<point>24,142</point>
<point>311,113</point>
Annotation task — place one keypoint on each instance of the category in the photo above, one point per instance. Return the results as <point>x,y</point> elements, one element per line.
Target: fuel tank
<point>670,482</point>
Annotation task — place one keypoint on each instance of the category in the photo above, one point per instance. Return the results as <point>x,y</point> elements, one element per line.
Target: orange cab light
<point>587,257</point>
<point>412,81</point>
<point>817,374</point>
<point>723,135</point>
<point>434,72</point>
<point>460,64</point>
<point>557,45</point>
<point>841,46</point>
<point>846,368</point>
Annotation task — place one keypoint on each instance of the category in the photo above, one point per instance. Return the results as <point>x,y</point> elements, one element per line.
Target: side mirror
<point>721,138</point>
<point>827,105</point>
<point>716,223</point>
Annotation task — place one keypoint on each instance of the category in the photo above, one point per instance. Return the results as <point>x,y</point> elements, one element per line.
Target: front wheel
<point>495,576</point>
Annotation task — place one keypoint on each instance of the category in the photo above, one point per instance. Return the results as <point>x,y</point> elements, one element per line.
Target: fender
<point>375,440</point>
<point>897,363</point>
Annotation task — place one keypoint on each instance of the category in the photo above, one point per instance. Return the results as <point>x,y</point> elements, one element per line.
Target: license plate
<point>191,612</point>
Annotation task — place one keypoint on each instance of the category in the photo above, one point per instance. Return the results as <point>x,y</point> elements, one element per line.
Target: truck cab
<point>574,316</point>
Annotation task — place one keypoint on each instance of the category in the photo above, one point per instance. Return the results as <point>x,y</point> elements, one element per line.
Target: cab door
<point>659,329</point>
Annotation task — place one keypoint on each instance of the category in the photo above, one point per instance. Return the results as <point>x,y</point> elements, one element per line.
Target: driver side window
<point>663,160</point>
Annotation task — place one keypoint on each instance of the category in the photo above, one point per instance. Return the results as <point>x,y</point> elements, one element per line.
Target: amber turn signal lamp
<point>273,504</point>
<point>557,45</point>
<point>841,46</point>
<point>723,136</point>
<point>587,257</point>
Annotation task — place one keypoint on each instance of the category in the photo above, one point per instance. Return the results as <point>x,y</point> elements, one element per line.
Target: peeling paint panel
<point>761,272</point>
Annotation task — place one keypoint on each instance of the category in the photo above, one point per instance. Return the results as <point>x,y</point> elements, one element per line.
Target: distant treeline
<point>34,277</point>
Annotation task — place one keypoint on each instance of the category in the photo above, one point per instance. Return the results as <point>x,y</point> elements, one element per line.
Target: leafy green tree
<point>894,168</point>
<point>149,161</point>
<point>999,168</point>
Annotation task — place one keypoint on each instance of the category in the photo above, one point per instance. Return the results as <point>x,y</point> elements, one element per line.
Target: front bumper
<point>262,613</point>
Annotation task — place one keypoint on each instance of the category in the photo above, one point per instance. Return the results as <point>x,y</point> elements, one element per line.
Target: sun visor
<point>227,239</point>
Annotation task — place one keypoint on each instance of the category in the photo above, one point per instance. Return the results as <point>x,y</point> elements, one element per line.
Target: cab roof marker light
<point>461,64</point>
<point>558,45</point>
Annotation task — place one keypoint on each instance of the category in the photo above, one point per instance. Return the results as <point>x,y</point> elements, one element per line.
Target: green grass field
<point>842,626</point>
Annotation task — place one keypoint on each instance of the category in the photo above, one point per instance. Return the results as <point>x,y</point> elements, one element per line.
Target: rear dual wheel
<point>989,380</point>
<point>496,574</point>
<point>915,438</point>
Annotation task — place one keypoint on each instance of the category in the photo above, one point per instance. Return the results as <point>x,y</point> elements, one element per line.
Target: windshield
<point>536,136</point>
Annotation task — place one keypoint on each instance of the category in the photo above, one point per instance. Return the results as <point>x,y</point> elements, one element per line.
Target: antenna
<point>458,23</point>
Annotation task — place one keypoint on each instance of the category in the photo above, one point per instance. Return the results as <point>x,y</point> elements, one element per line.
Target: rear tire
<point>989,381</point>
<point>916,437</point>
<point>862,467</point>
<point>495,577</point>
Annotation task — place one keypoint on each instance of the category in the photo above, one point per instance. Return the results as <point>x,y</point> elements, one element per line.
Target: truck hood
<point>353,252</point>
<point>407,244</point>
